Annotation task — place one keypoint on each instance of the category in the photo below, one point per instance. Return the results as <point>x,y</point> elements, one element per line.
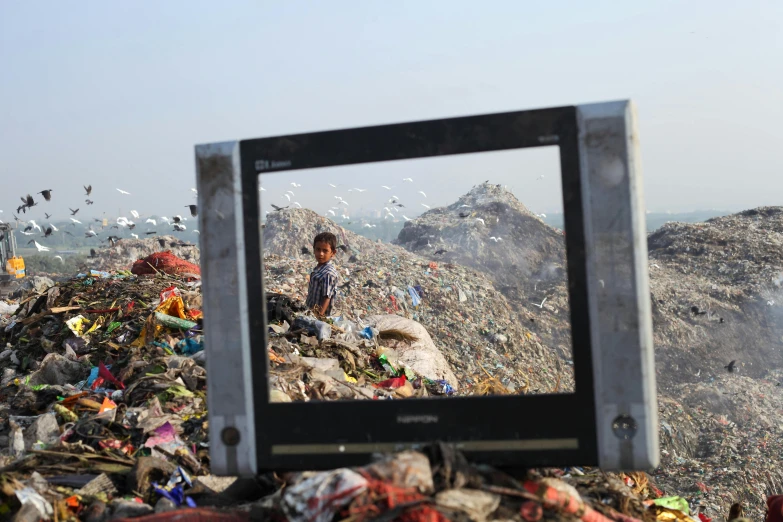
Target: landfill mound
<point>525,253</point>
<point>490,230</point>
<point>487,344</point>
<point>717,296</point>
<point>123,253</point>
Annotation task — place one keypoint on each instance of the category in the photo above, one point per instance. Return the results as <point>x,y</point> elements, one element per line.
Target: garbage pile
<point>102,397</point>
<point>717,292</point>
<point>121,254</point>
<point>490,230</point>
<point>472,337</point>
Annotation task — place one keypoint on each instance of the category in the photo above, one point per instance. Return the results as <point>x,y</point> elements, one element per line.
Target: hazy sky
<point>117,94</point>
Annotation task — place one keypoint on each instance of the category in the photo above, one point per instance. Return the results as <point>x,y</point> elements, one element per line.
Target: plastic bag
<point>320,329</point>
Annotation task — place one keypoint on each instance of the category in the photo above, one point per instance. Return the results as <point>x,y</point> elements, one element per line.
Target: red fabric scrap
<point>704,518</point>
<point>393,383</point>
<point>106,374</point>
<point>165,262</point>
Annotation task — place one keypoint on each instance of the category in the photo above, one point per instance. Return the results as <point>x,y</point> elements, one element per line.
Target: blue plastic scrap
<point>190,345</point>
<point>415,297</point>
<point>367,333</point>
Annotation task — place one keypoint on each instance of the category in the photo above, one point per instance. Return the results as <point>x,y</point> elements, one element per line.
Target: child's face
<point>323,252</point>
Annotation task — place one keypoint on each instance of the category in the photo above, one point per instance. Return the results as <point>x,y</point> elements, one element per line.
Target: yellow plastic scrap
<point>77,324</point>
<point>173,306</point>
<point>663,514</point>
<point>97,324</point>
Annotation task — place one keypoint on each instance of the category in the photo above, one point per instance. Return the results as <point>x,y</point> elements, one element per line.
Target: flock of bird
<point>30,227</point>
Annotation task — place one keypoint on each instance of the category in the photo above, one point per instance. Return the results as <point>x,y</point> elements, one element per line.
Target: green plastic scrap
<point>180,391</point>
<point>174,322</point>
<point>113,326</point>
<point>678,503</point>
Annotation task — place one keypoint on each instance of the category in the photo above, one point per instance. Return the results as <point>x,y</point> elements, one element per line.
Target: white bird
<point>479,220</point>
<point>135,236</point>
<point>179,227</point>
<point>262,189</point>
<point>194,190</point>
<point>346,217</point>
<point>333,186</point>
<point>122,221</point>
<point>542,215</point>
<point>150,220</point>
<point>54,227</point>
<point>425,206</point>
<point>393,197</point>
<point>343,202</point>
<point>91,233</point>
<point>422,193</point>
<point>196,232</point>
<point>496,239</point>
<point>360,190</point>
<point>295,185</point>
<point>135,214</point>
<point>164,218</point>
<point>60,258</point>
<point>367,225</point>
<point>464,206</point>
<point>40,247</point>
<point>338,198</point>
<point>28,233</point>
<point>540,305</point>
<point>76,220</point>
<point>297,204</point>
<point>406,217</point>
<point>287,196</point>
<point>123,192</point>
<point>290,192</point>
<point>385,187</point>
<point>408,179</point>
<point>330,211</point>
<point>35,225</point>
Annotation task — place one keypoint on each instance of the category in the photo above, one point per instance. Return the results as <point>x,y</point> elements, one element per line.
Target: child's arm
<point>324,305</point>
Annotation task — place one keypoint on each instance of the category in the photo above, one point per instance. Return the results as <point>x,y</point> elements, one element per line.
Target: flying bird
<point>48,232</point>
<point>262,189</point>
<point>295,185</point>
<point>35,225</point>
<point>89,201</point>
<point>47,215</point>
<point>73,212</point>
<point>60,258</point>
<point>406,217</point>
<point>90,233</point>
<point>29,201</point>
<point>496,239</point>
<point>290,192</point>
<point>40,247</point>
<point>123,192</point>
<point>197,232</point>
<point>422,193</point>
<point>47,194</point>
<point>343,202</point>
<point>409,180</point>
<point>278,208</point>
<point>134,214</point>
<point>330,212</point>
<point>193,210</point>
<point>150,220</point>
<point>177,218</point>
<point>440,251</point>
<point>53,227</point>
<point>164,218</point>
<point>360,190</point>
<point>179,227</point>
<point>149,233</point>
<point>425,206</point>
<point>88,190</point>
<point>76,221</point>
<point>731,366</point>
<point>540,305</point>
<point>479,220</point>
<point>333,186</point>
<point>287,196</point>
<point>297,204</point>
<point>135,236</point>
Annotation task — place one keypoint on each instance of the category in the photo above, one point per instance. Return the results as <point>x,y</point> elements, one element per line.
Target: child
<point>324,277</point>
